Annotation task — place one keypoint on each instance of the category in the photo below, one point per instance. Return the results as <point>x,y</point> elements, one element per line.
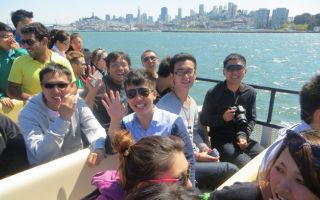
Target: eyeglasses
<point>132,93</point>
<point>7,36</point>
<point>231,68</point>
<point>151,58</point>
<point>52,85</point>
<point>182,180</point>
<point>184,72</point>
<point>29,42</point>
<point>295,142</point>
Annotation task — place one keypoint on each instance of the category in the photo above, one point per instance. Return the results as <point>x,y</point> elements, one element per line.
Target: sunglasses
<point>29,42</point>
<point>183,73</point>
<point>182,180</point>
<point>52,85</point>
<point>151,58</point>
<point>231,68</point>
<point>295,142</point>
<point>132,93</point>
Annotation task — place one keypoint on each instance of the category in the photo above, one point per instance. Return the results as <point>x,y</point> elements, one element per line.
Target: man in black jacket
<point>229,109</point>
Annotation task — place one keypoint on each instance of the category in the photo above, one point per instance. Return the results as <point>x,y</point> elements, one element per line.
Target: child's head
<point>294,173</point>
<point>151,159</point>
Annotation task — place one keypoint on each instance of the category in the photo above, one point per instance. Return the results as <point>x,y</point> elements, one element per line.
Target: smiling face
<point>34,47</point>
<point>6,40</point>
<point>286,181</point>
<point>54,95</point>
<point>184,75</point>
<point>234,76</point>
<point>118,70</point>
<point>150,62</point>
<point>141,104</point>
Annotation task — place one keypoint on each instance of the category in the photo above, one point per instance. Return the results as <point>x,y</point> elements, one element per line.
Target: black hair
<point>55,68</point>
<point>147,51</point>
<point>162,191</point>
<point>36,28</point>
<point>234,56</point>
<point>57,35</point>
<point>164,67</point>
<point>139,77</point>
<point>113,56</point>
<point>20,15</point>
<point>310,98</point>
<point>5,27</point>
<point>182,57</point>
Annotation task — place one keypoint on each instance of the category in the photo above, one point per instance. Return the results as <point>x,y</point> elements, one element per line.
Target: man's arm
<point>207,115</point>
<point>246,131</point>
<point>14,91</point>
<point>43,145</point>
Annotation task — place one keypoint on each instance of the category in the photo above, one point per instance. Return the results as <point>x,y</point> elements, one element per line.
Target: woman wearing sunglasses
<point>293,173</point>
<point>152,160</point>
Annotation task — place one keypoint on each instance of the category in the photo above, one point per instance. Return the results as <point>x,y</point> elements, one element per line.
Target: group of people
<point>77,99</point>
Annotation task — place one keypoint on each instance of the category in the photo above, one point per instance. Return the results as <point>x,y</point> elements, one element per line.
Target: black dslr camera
<point>240,115</point>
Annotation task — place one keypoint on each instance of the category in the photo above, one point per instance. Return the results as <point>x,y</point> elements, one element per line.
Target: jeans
<point>230,152</point>
<point>212,174</point>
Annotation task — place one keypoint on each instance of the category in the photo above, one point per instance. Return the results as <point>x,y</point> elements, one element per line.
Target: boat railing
<point>267,126</point>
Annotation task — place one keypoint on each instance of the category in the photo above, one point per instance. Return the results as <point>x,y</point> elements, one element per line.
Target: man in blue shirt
<point>146,120</point>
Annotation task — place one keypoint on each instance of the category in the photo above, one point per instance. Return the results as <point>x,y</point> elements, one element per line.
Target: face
<point>23,22</point>
<point>63,46</point>
<point>76,44</point>
<point>179,167</point>
<point>234,76</point>
<point>141,103</point>
<point>54,95</point>
<point>79,68</point>
<point>34,47</point>
<point>184,75</point>
<point>6,40</point>
<point>286,181</point>
<point>150,62</point>
<point>101,64</point>
<point>118,70</point>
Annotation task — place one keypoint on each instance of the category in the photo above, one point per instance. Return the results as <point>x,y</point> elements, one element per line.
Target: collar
<point>241,88</point>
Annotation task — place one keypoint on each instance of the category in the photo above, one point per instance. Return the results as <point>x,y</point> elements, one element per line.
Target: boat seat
<point>65,178</point>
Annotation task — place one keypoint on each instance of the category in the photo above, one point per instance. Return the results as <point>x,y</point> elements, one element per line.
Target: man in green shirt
<point>9,51</point>
<point>24,75</point>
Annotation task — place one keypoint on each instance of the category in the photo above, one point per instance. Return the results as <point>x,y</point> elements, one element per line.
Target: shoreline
<point>199,31</point>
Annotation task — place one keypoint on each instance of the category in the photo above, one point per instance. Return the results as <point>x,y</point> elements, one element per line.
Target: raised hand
<point>115,108</point>
<point>67,106</point>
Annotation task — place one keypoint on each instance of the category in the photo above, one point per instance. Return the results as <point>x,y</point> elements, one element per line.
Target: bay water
<point>281,60</point>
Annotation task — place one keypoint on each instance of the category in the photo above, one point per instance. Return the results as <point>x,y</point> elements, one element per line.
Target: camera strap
<point>237,98</point>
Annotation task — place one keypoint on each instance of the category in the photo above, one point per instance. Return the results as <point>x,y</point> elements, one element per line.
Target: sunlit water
<point>276,60</point>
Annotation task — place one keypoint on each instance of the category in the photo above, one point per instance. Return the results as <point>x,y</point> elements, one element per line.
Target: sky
<point>67,11</point>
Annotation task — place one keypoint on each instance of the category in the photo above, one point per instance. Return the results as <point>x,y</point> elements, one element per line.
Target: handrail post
<point>271,103</point>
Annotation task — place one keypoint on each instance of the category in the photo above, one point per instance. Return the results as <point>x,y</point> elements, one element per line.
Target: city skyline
<point>71,11</point>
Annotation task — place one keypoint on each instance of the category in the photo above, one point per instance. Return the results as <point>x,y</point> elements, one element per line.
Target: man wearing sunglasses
<point>229,109</point>
<point>147,119</point>
<point>9,51</point>
<point>149,60</point>
<point>309,113</point>
<point>24,75</point>
<point>56,122</point>
<point>19,19</point>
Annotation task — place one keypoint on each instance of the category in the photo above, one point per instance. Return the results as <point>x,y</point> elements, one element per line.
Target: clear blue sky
<point>67,11</point>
